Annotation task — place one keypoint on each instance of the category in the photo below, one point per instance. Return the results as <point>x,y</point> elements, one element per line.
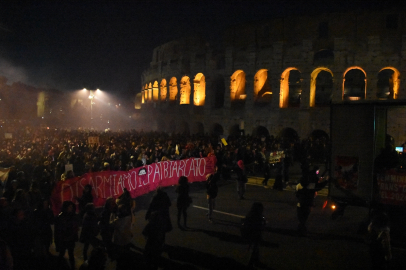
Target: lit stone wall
<point>278,74</point>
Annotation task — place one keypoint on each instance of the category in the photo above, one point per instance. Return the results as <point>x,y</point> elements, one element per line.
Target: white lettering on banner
<point>204,167</point>
<point>181,168</point>
<point>91,182</point>
<point>192,168</point>
<point>174,168</point>
<point>114,185</point>
<point>165,164</point>
<point>132,174</point>
<point>120,184</point>
<point>98,186</point>
<point>156,172</point>
<point>149,172</point>
<point>160,169</point>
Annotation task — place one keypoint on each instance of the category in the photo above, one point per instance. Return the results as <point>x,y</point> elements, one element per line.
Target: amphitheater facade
<point>275,75</point>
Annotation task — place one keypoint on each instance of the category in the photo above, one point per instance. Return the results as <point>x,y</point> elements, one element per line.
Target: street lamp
<point>91,97</point>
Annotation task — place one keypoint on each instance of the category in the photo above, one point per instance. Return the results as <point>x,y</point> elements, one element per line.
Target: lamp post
<point>91,97</point>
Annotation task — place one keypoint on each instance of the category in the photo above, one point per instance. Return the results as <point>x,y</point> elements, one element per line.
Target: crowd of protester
<point>37,160</point>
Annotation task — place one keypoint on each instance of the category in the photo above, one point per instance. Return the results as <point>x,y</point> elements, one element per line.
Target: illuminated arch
<point>185,90</point>
<point>365,80</point>
<point>146,93</point>
<point>142,96</point>
<point>284,88</point>
<point>155,91</point>
<point>395,81</point>
<point>173,89</point>
<point>262,89</point>
<point>199,87</point>
<point>313,80</point>
<point>150,92</point>
<point>237,86</point>
<point>163,90</point>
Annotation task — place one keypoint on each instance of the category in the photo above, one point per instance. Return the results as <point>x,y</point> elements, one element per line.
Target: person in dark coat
<point>86,198</point>
<point>160,203</point>
<point>305,192</point>
<point>253,225</point>
<point>107,229</point>
<point>43,219</point>
<point>211,191</point>
<point>241,179</point>
<point>66,232</point>
<point>154,232</point>
<point>90,229</point>
<point>20,237</point>
<point>183,201</point>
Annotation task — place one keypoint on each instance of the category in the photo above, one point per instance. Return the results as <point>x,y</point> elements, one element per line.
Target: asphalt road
<point>330,244</point>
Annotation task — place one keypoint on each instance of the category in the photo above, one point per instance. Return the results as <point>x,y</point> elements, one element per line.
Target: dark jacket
<point>211,185</point>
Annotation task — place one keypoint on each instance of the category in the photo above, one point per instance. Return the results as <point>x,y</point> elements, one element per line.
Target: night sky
<point>107,44</point>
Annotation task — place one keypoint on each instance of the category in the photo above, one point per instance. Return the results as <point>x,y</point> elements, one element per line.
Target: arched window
<point>321,87</point>
<point>163,90</point>
<point>237,86</point>
<point>199,87</point>
<point>354,84</point>
<point>290,88</point>
<point>173,89</point>
<point>262,89</point>
<point>185,90</point>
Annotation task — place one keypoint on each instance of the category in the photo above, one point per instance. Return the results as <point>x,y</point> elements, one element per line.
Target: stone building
<point>280,74</point>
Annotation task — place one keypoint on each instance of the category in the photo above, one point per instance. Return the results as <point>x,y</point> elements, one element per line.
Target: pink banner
<point>392,187</point>
<point>138,181</point>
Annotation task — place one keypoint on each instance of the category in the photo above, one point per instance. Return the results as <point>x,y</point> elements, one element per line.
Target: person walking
<point>66,232</point>
<point>252,226</point>
<point>183,201</point>
<point>305,193</point>
<point>241,179</point>
<point>211,191</point>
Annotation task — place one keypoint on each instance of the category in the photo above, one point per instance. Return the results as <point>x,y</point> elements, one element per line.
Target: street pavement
<point>330,244</point>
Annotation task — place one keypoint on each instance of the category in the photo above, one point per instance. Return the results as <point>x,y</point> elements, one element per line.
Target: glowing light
<point>333,207</point>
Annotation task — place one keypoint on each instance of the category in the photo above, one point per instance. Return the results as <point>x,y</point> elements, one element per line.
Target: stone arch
<point>155,92</point>
<point>260,131</point>
<point>237,86</point>
<point>317,88</point>
<point>388,83</point>
<point>198,128</point>
<point>150,92</point>
<point>173,89</point>
<point>184,128</point>
<point>288,136</point>
<point>217,130</point>
<point>290,88</point>
<point>354,84</point>
<point>262,88</point>
<point>163,90</point>
<point>185,90</point>
<point>234,130</point>
<point>199,87</point>
<point>146,93</point>
<point>218,92</point>
<point>318,146</point>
